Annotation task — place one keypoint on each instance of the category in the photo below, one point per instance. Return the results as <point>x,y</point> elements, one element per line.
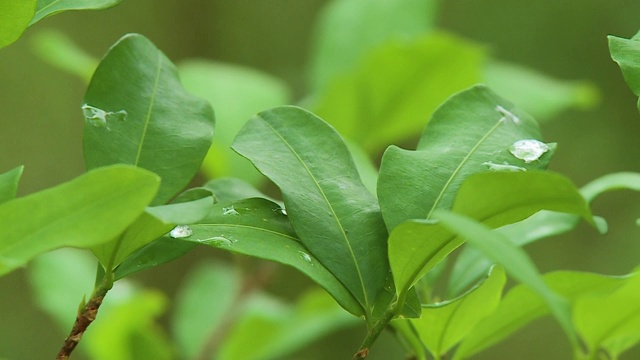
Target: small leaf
<point>14,19</point>
<point>233,189</point>
<point>9,184</point>
<point>334,215</point>
<point>625,53</point>
<point>49,7</point>
<point>57,49</point>
<point>89,210</point>
<point>138,113</point>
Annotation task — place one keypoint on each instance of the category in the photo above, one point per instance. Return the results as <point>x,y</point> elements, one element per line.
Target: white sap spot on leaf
<point>528,150</point>
<point>306,257</point>
<point>503,167</point>
<point>180,231</point>
<point>100,118</point>
<point>219,241</point>
<point>280,211</point>
<point>507,115</point>
<point>229,211</point>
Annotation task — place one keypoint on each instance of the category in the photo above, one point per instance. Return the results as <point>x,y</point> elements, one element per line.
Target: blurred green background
<point>41,127</point>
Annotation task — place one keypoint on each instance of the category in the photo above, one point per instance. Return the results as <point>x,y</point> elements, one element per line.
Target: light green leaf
<point>137,113</point>
<point>540,95</point>
<point>257,227</point>
<point>334,215</point>
<point>625,53</point>
<point>367,170</point>
<point>233,189</point>
<point>9,183</point>
<point>397,87</point>
<point>14,19</point>
<point>469,133</point>
<point>409,335</point>
<point>204,300</point>
<point>237,93</point>
<point>610,321</point>
<point>57,49</point>
<point>49,7</point>
<point>84,212</point>
<point>515,261</point>
<point>156,253</point>
<point>443,325</point>
<point>349,29</point>
<point>523,305</point>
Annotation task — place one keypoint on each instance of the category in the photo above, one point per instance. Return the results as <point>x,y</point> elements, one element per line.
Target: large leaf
<point>494,198</point>
<point>138,113</point>
<point>397,87</point>
<point>332,212</point>
<point>237,93</point>
<point>515,261</point>
<point>233,189</point>
<point>14,19</point>
<point>523,305</point>
<point>443,325</point>
<point>57,49</point>
<point>49,7</point>
<point>258,227</point>
<point>625,53</point>
<point>9,184</point>
<point>471,132</point>
<point>349,29</point>
<point>84,212</point>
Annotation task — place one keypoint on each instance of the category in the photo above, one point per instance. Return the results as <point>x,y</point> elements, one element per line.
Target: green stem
<point>373,334</point>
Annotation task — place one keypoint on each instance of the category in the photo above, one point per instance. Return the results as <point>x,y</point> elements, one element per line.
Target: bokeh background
<point>41,127</point>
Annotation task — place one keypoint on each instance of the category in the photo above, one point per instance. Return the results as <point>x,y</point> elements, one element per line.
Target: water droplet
<point>306,257</point>
<point>528,150</point>
<point>280,211</point>
<point>507,115</point>
<point>180,231</point>
<point>218,241</point>
<point>100,118</point>
<point>503,167</point>
<point>229,211</point>
<point>284,212</point>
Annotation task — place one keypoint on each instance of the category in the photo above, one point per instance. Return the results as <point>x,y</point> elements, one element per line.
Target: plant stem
<point>373,334</point>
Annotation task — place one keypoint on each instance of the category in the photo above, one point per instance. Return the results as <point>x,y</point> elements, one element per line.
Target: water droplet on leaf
<point>229,211</point>
<point>101,118</point>
<point>180,231</point>
<point>218,241</point>
<point>507,115</point>
<point>503,167</point>
<point>306,257</point>
<point>528,150</point>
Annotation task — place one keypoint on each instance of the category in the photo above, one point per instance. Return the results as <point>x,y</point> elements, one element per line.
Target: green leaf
<point>237,93</point>
<point>84,212</point>
<point>625,53</point>
<point>514,260</point>
<point>397,87</point>
<point>470,133</point>
<point>411,338</point>
<point>9,184</point>
<point>137,113</point>
<point>233,189</point>
<point>334,215</point>
<point>542,96</point>
<point>195,319</point>
<point>443,325</point>
<point>57,49</point>
<point>610,321</point>
<point>522,305</point>
<point>349,29</point>
<point>49,7</point>
<point>14,19</point>
<point>156,253</point>
<point>257,227</point>
<point>366,168</point>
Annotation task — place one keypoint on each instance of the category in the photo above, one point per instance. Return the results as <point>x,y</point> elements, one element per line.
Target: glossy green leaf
<point>523,305</point>
<point>610,321</point>
<point>334,215</point>
<point>49,7</point>
<point>9,183</point>
<point>443,325</point>
<point>515,261</point>
<point>236,93</point>
<point>149,226</point>
<point>257,227</point>
<point>14,19</point>
<point>470,133</point>
<point>349,29</point>
<point>539,95</point>
<point>493,198</point>
<point>84,212</point>
<point>270,329</point>
<point>233,189</point>
<point>57,49</point>
<point>156,253</point>
<point>204,300</point>
<point>625,53</point>
<point>397,87</point>
<point>136,112</point>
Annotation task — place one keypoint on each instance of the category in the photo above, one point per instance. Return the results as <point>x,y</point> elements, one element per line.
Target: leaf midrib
<point>147,119</point>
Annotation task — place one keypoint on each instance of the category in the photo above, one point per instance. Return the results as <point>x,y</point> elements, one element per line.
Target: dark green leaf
<point>156,253</point>
<point>137,113</point>
<point>470,133</point>
<point>9,184</point>
<point>91,209</point>
<point>257,227</point>
<point>60,51</point>
<point>233,189</point>
<point>334,215</point>
<point>14,19</point>
<point>49,7</point>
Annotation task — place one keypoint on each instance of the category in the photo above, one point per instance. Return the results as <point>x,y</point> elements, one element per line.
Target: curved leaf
<point>89,210</point>
<point>49,7</point>
<point>625,53</point>
<point>138,113</point>
<point>59,50</point>
<point>467,134</point>
<point>332,212</point>
<point>14,19</point>
<point>9,183</point>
